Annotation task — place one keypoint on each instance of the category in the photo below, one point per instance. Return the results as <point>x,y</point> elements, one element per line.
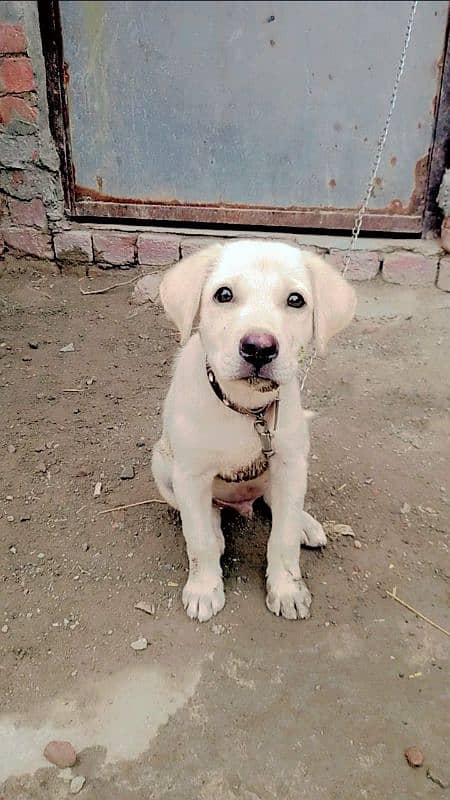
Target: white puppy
<point>234,428</point>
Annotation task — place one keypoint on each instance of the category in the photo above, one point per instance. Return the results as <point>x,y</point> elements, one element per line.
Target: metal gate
<point>253,113</point>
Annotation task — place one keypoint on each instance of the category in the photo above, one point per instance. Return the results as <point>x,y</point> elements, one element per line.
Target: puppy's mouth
<point>258,377</point>
<point>261,384</point>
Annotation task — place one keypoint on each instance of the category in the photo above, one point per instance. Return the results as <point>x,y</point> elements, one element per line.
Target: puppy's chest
<point>239,456</point>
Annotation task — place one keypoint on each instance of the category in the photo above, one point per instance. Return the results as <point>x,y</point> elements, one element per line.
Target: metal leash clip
<point>265,436</point>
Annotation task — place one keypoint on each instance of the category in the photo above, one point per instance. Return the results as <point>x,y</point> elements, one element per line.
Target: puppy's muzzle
<point>258,349</point>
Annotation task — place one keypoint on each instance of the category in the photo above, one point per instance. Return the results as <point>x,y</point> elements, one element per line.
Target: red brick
<point>158,249</point>
<point>16,108</point>
<point>192,244</point>
<point>114,248</point>
<point>29,242</point>
<point>411,269</point>
<point>74,247</point>
<point>28,212</point>
<point>445,234</point>
<point>12,38</point>
<point>363,264</point>
<point>3,208</point>
<point>16,75</point>
<point>443,281</point>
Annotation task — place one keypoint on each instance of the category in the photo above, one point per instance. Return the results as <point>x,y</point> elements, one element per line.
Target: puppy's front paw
<point>288,597</point>
<point>203,597</point>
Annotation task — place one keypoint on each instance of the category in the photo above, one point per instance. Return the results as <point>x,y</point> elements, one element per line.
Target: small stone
<point>33,345</point>
<point>9,497</point>
<point>357,544</point>
<point>76,411</point>
<point>27,358</point>
<point>68,348</point>
<point>146,290</point>
<point>83,472</point>
<point>61,754</point>
<point>90,381</point>
<point>140,644</point>
<point>85,547</point>
<point>66,774</point>
<point>40,448</point>
<point>414,756</point>
<point>10,518</point>
<point>11,448</point>
<point>5,629</point>
<point>98,489</point>
<point>40,467</point>
<point>127,473</point>
<point>24,518</point>
<point>405,509</point>
<point>13,549</point>
<point>76,784</point>
<point>140,442</point>
<point>218,629</point>
<point>51,397</point>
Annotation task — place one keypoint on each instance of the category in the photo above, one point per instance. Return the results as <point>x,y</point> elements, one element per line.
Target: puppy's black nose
<point>258,348</point>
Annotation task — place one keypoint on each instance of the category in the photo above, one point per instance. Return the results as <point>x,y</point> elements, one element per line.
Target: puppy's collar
<point>260,423</point>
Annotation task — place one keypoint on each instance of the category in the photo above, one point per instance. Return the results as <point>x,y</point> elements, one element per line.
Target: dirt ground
<point>247,706</point>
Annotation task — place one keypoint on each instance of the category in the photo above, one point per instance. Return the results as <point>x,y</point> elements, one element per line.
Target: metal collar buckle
<point>265,436</point>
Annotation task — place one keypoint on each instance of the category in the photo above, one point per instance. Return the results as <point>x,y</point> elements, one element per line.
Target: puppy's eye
<point>295,300</point>
<point>223,295</point>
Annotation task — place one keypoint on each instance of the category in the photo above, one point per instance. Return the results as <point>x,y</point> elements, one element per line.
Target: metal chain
<point>375,165</point>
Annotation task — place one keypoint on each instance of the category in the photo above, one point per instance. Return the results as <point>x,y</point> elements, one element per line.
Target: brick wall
<point>30,187</point>
<point>32,221</point>
<point>402,261</point>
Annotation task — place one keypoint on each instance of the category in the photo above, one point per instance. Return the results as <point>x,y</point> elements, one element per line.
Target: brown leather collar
<point>260,424</point>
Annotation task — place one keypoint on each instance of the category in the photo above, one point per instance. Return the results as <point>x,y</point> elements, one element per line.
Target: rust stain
<point>417,199</point>
<point>378,181</point>
<point>393,161</point>
<point>66,74</point>
<point>99,181</point>
<point>317,218</point>
<point>414,204</point>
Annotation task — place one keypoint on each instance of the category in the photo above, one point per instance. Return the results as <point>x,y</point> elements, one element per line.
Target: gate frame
<point>83,204</point>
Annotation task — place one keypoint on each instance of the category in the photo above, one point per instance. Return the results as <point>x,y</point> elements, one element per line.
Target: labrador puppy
<point>233,425</point>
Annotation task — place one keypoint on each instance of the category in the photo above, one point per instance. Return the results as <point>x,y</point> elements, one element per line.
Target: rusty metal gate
<point>253,113</point>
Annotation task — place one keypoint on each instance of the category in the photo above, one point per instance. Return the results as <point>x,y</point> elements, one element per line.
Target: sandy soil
<point>247,706</point>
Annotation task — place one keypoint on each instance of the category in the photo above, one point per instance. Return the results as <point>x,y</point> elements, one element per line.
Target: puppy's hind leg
<point>218,530</point>
<point>162,469</point>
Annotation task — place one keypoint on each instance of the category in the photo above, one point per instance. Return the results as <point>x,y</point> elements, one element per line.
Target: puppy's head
<point>258,304</point>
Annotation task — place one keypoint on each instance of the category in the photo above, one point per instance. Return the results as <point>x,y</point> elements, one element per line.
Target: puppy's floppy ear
<point>334,300</point>
<point>181,288</point>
